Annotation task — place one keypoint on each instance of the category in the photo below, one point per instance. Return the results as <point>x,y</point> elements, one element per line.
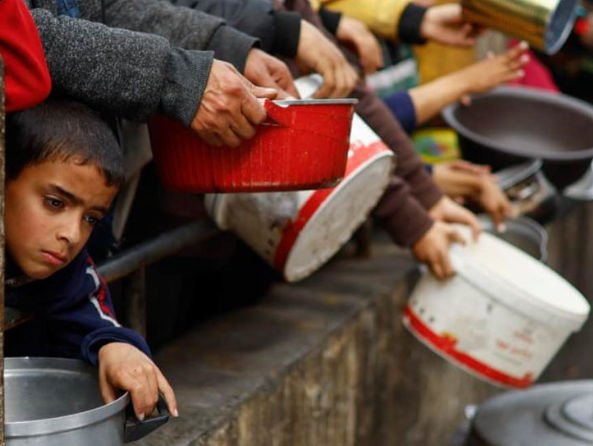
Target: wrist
<point>411,24</point>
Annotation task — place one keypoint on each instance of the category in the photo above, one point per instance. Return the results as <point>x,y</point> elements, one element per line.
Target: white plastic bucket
<point>502,318</point>
<point>298,232</point>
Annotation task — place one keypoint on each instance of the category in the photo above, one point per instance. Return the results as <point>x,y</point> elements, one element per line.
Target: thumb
<point>262,92</point>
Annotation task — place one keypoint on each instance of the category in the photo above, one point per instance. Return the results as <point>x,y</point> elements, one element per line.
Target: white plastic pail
<point>298,232</point>
<point>503,317</point>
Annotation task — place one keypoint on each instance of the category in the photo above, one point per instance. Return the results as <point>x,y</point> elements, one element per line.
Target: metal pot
<point>522,232</point>
<point>511,125</point>
<point>559,414</point>
<point>545,24</point>
<point>56,402</point>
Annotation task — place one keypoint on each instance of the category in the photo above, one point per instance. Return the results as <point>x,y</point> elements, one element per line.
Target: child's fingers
<point>153,389</point>
<point>108,392</point>
<point>446,266</point>
<point>519,63</point>
<point>141,398</point>
<point>436,269</point>
<point>167,391</point>
<point>517,50</point>
<point>456,237</point>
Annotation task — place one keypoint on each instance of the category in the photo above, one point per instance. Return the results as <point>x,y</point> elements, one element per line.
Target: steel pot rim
<point>540,235</point>
<point>49,426</point>
<point>529,93</point>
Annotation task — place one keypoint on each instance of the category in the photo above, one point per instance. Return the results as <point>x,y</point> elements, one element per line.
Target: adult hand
<point>446,210</point>
<point>433,249</point>
<point>267,71</point>
<point>318,54</point>
<point>444,24</point>
<point>124,367</point>
<point>358,35</point>
<point>230,110</point>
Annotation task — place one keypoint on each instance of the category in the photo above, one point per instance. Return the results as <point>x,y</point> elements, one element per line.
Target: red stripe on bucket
<point>361,154</point>
<point>446,345</point>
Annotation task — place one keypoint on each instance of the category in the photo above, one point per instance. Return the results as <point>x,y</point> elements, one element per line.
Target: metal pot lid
<point>559,414</point>
<point>513,175</point>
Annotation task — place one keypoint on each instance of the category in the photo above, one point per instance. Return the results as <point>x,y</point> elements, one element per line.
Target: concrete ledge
<point>322,362</point>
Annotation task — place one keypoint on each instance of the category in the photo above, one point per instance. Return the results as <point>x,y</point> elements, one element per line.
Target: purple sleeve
<point>402,107</point>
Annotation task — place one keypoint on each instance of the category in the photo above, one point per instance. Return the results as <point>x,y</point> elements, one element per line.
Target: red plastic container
<point>302,145</point>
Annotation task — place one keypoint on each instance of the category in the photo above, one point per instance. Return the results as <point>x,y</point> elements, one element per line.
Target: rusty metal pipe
<point>137,257</point>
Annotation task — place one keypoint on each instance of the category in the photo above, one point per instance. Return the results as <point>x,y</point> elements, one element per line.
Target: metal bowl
<point>511,125</point>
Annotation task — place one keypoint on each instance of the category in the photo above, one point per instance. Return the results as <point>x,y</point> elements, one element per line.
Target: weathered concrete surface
<point>323,362</point>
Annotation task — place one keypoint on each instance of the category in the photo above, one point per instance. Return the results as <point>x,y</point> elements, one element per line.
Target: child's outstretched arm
<point>482,76</point>
<point>83,325</point>
<point>124,367</point>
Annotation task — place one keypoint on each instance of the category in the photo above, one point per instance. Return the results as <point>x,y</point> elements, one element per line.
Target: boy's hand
<point>444,24</point>
<point>229,111</point>
<point>124,367</point>
<point>433,249</point>
<point>446,210</point>
<point>368,48</point>
<point>318,54</point>
<point>267,71</point>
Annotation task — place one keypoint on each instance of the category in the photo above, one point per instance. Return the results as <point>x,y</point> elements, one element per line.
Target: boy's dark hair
<point>62,130</point>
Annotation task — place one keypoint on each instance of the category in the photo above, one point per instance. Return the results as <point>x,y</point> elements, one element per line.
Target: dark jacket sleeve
<point>183,27</point>
<point>330,19</point>
<point>80,315</point>
<point>128,74</point>
<point>410,24</point>
<point>278,31</point>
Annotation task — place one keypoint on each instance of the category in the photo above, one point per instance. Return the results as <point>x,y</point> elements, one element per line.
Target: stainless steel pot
<point>56,402</point>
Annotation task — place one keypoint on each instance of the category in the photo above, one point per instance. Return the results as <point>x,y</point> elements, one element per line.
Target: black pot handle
<point>135,429</point>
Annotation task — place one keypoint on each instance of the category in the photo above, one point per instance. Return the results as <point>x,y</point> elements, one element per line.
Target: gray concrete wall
<point>323,362</point>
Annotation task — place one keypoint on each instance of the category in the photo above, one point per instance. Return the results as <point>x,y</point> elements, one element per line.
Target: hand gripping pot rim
<point>483,323</point>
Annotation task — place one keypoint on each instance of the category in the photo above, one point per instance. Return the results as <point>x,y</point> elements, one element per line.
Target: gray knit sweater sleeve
<point>125,73</point>
<point>183,27</point>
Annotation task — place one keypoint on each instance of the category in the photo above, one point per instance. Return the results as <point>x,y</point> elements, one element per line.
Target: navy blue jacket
<point>73,315</point>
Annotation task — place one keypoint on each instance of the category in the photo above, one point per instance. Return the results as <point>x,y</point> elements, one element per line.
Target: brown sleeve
<point>401,215</point>
<point>403,209</point>
<point>409,166</point>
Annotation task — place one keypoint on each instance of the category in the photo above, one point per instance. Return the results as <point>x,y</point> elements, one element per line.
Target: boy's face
<point>51,209</point>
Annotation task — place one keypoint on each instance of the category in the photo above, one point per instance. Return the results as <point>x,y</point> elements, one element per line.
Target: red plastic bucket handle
<point>277,115</point>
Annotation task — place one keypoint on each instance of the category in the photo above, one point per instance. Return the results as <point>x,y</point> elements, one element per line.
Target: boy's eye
<point>91,220</point>
<point>53,202</point>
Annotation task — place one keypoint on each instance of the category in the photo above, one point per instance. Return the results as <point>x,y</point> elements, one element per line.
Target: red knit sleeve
<point>26,74</point>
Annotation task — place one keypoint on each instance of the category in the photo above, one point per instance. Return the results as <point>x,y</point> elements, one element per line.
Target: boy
<point>63,169</point>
